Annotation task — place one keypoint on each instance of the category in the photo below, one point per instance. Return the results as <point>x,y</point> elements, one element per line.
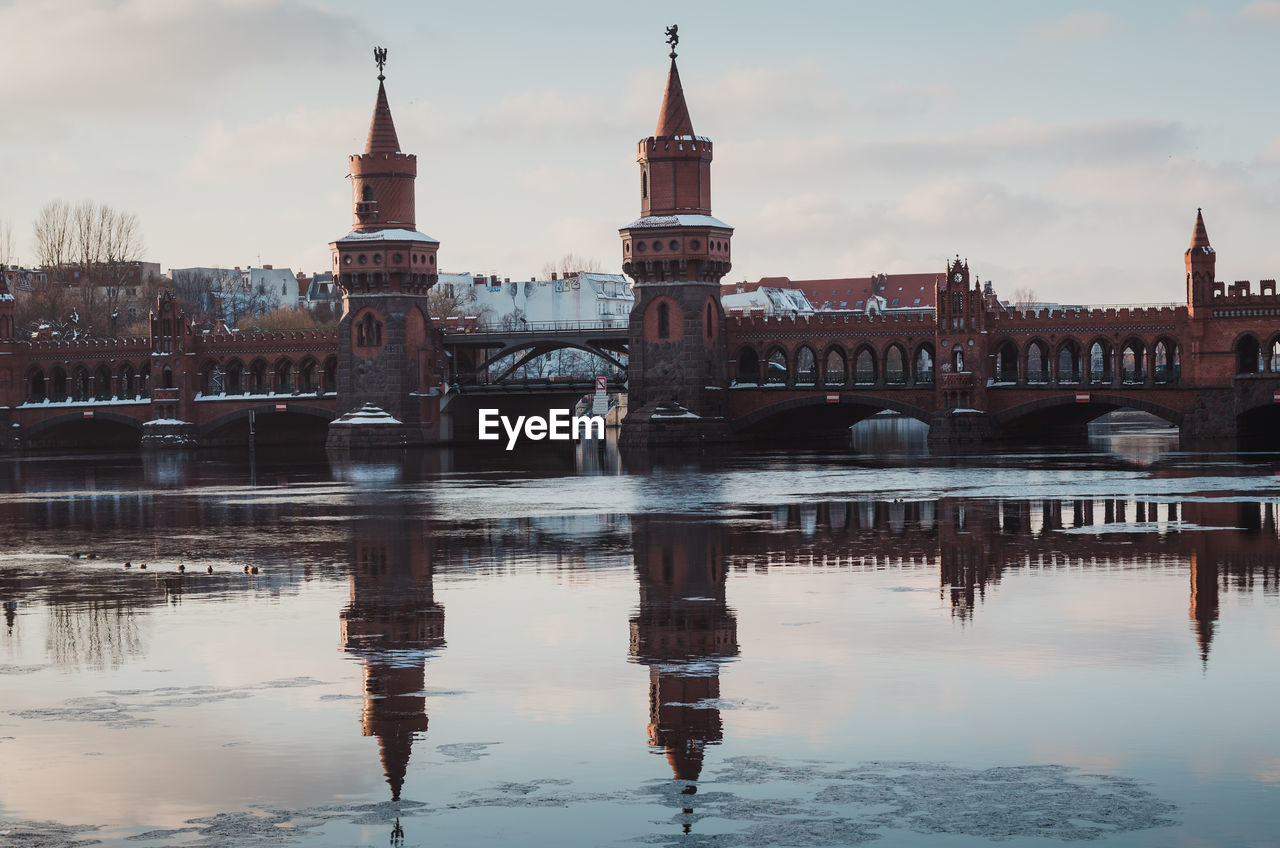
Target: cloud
<point>1261,11</point>
<point>1075,26</point>
<point>106,56</point>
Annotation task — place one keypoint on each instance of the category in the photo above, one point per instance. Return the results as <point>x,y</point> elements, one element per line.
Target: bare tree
<point>8,252</point>
<point>1024,297</point>
<point>201,290</point>
<point>52,237</point>
<point>571,264</point>
<point>106,244</point>
<point>448,301</point>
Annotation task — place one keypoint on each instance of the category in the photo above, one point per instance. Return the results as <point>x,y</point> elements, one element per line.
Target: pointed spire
<point>673,119</point>
<point>382,130</point>
<point>1199,236</point>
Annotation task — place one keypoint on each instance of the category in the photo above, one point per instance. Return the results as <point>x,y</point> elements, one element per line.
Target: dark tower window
<point>367,194</point>
<point>709,333</point>
<point>369,331</point>
<point>664,321</point>
<point>644,182</point>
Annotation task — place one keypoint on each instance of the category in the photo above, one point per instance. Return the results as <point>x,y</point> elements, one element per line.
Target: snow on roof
<point>772,300</point>
<point>676,221</point>
<point>387,235</point>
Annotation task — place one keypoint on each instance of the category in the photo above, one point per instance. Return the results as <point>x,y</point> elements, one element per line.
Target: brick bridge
<point>978,370</point>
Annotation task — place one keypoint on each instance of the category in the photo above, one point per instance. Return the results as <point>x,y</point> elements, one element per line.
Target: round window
<point>657,245</point>
<point>641,247</point>
<point>377,259</point>
<point>363,260</point>
<point>626,248</point>
<point>397,258</point>
<point>431,260</point>
<point>693,245</point>
<point>346,260</point>
<point>673,245</point>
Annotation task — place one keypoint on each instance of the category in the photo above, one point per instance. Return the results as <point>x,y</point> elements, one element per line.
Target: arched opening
<point>957,359</point>
<point>1133,363</point>
<point>367,194</point>
<point>1166,363</point>
<point>79,384</point>
<point>835,368</point>
<point>307,376</point>
<point>1037,363</point>
<point>1275,356</point>
<point>167,377</point>
<point>211,378</point>
<point>368,331</point>
<point>234,380</point>
<point>1248,355</point>
<point>806,365</point>
<point>1007,363</point>
<point>924,364</point>
<point>283,383</point>
<point>1099,362</point>
<point>128,383</point>
<point>664,321</point>
<point>748,365</point>
<point>37,391</point>
<point>102,383</point>
<point>710,327</point>
<point>331,374</point>
<point>1069,363</point>
<point>58,389</point>
<point>776,367</point>
<point>864,367</point>
<point>258,377</point>
<point>895,365</point>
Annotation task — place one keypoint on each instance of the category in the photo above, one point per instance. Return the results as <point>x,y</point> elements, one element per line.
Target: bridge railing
<point>536,327</point>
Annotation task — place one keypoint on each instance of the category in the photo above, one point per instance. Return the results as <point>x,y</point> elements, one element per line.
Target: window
<point>915,302</point>
<point>664,321</point>
<point>369,331</point>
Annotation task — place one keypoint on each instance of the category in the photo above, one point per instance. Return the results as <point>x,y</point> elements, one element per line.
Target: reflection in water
<point>392,624</point>
<point>682,631</point>
<point>965,558</point>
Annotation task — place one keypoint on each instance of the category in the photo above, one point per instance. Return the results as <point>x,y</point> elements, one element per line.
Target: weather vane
<point>673,38</point>
<point>380,56</point>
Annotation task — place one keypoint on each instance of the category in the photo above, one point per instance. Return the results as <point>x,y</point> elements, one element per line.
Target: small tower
<point>1201,264</point>
<point>676,253</point>
<point>388,351</point>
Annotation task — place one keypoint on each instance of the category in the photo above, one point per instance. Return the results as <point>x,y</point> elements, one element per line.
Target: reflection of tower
<point>682,632</point>
<point>391,621</point>
<point>964,553</point>
<point>1204,601</point>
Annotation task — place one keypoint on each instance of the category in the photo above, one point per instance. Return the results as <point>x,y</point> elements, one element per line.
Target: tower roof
<point>382,130</point>
<point>1199,236</point>
<point>673,119</point>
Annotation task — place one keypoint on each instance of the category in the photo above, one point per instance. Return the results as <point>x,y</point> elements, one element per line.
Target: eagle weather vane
<point>673,38</point>
<point>380,56</point>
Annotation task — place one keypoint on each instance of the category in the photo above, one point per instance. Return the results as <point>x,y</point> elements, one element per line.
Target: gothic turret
<point>389,355</point>
<point>676,253</point>
<point>1201,262</point>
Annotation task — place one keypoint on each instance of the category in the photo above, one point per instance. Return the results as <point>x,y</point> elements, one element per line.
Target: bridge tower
<point>389,356</point>
<point>962,357</point>
<point>1201,264</point>
<point>676,253</point>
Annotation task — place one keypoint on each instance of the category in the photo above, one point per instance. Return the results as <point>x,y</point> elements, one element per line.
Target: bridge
<point>488,358</point>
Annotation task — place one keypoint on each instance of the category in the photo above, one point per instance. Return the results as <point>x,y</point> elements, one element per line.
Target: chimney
<point>553,275</point>
<point>267,268</point>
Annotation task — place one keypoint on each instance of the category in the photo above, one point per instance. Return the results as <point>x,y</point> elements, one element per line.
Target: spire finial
<point>380,56</point>
<point>673,38</point>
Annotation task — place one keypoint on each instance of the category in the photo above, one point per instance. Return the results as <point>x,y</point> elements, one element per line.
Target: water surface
<point>573,648</point>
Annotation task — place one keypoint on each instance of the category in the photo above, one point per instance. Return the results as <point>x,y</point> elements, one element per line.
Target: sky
<point>1059,147</point>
